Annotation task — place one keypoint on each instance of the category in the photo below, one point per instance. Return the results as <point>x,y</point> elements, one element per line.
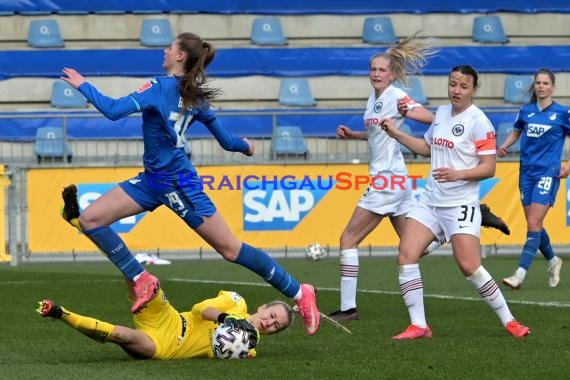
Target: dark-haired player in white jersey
<point>461,144</point>
<point>542,126</point>
<point>169,105</point>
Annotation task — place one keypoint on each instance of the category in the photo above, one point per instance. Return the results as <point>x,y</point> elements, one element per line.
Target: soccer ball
<point>230,343</point>
<point>315,252</point>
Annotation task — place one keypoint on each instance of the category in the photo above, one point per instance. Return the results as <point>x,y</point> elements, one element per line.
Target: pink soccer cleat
<point>517,330</point>
<point>144,288</point>
<point>308,308</point>
<point>414,332</point>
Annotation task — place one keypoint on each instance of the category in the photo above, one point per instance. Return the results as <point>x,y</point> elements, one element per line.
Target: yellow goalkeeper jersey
<point>185,335</point>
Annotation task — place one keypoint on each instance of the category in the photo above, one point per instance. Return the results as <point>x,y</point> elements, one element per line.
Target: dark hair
<point>530,90</point>
<point>199,54</point>
<point>288,309</point>
<point>467,70</point>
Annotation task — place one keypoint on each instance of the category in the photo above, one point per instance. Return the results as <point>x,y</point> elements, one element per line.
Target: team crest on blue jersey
<point>378,107</point>
<point>457,130</point>
<point>552,116</point>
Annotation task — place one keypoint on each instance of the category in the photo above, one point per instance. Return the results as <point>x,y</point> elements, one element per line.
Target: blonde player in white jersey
<point>461,143</point>
<point>386,160</point>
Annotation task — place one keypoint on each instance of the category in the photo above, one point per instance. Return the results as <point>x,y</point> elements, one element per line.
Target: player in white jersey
<point>461,143</point>
<point>385,160</point>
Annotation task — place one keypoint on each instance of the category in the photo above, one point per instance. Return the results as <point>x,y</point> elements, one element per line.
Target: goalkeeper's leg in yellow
<point>95,329</point>
<point>70,210</point>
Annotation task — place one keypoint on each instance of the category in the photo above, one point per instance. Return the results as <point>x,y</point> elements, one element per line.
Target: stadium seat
<point>44,34</point>
<point>267,31</point>
<point>415,89</point>
<point>489,29</point>
<point>378,30</point>
<point>50,143</point>
<point>65,96</point>
<point>517,88</point>
<point>503,130</point>
<point>156,32</point>
<point>406,128</point>
<point>296,92</point>
<point>288,141</point>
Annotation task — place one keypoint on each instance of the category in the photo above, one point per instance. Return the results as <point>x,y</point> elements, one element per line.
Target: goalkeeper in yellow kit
<point>161,332</point>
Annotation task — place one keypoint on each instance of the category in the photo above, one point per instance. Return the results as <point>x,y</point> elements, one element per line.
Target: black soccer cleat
<point>70,211</point>
<point>490,220</point>
<point>47,308</point>
<point>346,315</point>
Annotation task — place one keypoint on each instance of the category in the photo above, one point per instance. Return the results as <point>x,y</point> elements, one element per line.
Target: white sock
<point>412,289</point>
<point>348,278</point>
<point>490,292</point>
<point>433,246</point>
<point>520,273</point>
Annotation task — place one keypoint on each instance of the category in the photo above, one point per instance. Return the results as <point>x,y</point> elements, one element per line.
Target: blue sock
<point>529,249</point>
<point>261,263</point>
<point>545,247</point>
<point>109,242</point>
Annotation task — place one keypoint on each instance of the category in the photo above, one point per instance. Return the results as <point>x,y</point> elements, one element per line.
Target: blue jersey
<point>164,122</point>
<point>542,138</point>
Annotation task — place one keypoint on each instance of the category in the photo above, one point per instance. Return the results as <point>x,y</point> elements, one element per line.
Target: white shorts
<point>392,202</point>
<point>447,221</point>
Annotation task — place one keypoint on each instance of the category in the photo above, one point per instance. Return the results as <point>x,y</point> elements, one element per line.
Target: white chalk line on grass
<point>371,291</point>
<point>387,292</point>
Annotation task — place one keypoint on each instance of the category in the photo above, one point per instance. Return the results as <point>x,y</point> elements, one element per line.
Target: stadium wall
<point>286,6</point>
<point>304,212</point>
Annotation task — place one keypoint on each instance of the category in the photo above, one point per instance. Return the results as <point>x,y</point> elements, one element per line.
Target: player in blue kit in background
<point>542,126</point>
<point>169,105</point>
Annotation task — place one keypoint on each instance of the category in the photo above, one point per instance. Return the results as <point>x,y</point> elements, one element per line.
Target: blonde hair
<point>408,57</point>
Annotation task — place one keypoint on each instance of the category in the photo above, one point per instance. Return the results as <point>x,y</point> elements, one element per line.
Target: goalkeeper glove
<point>240,323</point>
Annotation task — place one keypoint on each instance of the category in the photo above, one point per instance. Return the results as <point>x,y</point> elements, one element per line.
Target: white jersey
<point>457,142</point>
<point>385,155</point>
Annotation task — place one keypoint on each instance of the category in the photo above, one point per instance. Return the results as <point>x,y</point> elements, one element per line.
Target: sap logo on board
<point>87,193</point>
<point>268,209</point>
<point>537,130</point>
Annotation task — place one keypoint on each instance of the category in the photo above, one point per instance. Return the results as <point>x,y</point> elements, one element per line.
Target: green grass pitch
<point>468,339</point>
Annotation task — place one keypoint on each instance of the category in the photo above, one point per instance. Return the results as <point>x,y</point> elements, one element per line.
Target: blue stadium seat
<point>516,88</point>
<point>288,141</point>
<point>156,32</point>
<point>50,143</point>
<point>378,30</point>
<point>406,128</point>
<point>503,130</point>
<point>267,31</point>
<point>65,96</point>
<point>415,89</point>
<point>489,29</point>
<point>296,92</point>
<point>44,34</point>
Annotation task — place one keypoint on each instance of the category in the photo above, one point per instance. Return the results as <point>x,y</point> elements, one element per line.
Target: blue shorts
<point>182,193</point>
<point>541,190</point>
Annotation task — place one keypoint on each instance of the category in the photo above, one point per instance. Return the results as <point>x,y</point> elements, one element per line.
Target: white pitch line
<point>388,292</point>
<point>371,291</point>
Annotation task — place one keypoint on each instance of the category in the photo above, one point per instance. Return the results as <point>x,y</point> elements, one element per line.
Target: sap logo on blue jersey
<point>537,130</point>
<point>269,209</point>
<point>485,187</point>
<point>87,193</point>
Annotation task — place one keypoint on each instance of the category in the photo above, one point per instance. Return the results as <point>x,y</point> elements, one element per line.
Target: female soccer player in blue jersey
<point>169,105</point>
<point>542,126</point>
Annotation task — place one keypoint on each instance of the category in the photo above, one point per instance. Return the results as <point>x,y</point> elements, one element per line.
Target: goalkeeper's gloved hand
<point>240,323</point>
